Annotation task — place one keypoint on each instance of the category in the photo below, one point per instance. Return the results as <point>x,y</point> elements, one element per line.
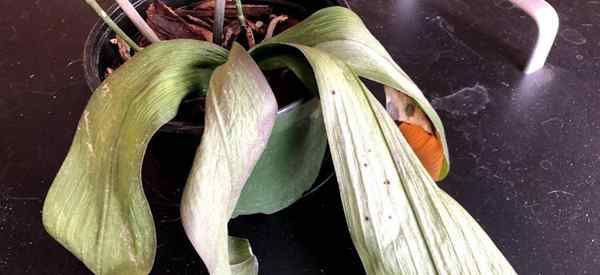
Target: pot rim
<point>100,31</point>
<point>92,76</point>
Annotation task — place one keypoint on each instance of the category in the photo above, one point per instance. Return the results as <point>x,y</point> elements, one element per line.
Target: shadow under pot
<point>294,163</point>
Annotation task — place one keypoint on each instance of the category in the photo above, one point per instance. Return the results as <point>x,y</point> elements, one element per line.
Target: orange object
<point>426,146</point>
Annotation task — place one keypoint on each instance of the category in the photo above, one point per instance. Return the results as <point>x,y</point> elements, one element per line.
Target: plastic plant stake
<point>546,20</point>
<point>218,22</point>
<point>137,20</point>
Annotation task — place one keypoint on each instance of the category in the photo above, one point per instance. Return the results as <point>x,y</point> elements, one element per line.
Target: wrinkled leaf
<point>341,33</point>
<point>290,164</point>
<point>96,207</point>
<point>401,108</point>
<point>400,221</point>
<point>240,114</point>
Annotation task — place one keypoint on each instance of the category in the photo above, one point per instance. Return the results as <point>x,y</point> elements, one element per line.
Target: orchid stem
<point>138,21</point>
<point>98,9</point>
<point>242,19</point>
<point>219,21</point>
<point>240,12</point>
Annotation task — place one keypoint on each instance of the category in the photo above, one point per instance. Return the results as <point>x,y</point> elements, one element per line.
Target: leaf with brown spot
<point>341,33</point>
<point>413,226</point>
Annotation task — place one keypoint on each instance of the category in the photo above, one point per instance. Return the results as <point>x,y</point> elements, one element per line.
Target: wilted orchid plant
<point>400,221</point>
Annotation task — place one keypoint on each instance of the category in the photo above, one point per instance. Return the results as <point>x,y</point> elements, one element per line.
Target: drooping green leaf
<point>341,33</point>
<point>290,163</point>
<point>96,207</point>
<point>400,221</point>
<point>240,114</point>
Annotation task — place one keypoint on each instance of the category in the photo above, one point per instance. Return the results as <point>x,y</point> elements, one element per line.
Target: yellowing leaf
<point>96,207</point>
<point>240,114</point>
<point>341,33</point>
<point>400,221</point>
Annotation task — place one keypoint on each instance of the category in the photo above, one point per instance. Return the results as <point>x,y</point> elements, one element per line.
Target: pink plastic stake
<point>137,20</point>
<point>546,19</point>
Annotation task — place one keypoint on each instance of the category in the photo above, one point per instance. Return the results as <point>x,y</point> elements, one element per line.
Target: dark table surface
<point>525,149</point>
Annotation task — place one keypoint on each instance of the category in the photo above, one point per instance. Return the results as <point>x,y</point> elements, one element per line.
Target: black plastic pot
<point>99,53</point>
